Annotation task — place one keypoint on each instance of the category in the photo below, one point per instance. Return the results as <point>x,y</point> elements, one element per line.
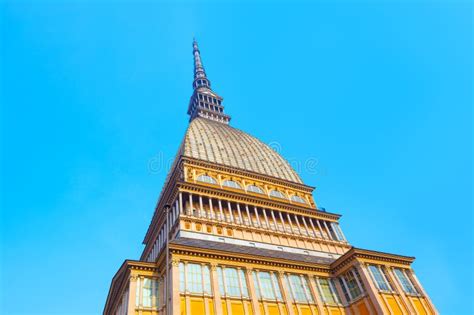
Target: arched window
<point>255,189</point>
<point>278,194</point>
<point>231,184</point>
<point>207,179</point>
<point>298,199</point>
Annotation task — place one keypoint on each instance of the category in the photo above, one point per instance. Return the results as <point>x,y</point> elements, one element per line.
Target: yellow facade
<point>237,232</point>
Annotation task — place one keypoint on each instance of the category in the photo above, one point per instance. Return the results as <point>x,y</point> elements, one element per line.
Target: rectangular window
<point>194,278</point>
<point>344,290</point>
<point>266,285</point>
<point>147,292</point>
<point>207,280</point>
<point>354,290</point>
<point>220,279</point>
<point>379,278</point>
<point>232,282</point>
<point>243,280</point>
<point>299,289</point>
<point>405,282</point>
<point>338,232</point>
<point>276,285</point>
<point>325,290</point>
<point>255,284</point>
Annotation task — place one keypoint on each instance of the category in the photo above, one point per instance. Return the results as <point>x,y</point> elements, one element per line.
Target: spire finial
<point>204,102</point>
<point>200,79</point>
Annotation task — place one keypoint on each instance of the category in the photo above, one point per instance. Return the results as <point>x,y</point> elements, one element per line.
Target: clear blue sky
<point>379,93</point>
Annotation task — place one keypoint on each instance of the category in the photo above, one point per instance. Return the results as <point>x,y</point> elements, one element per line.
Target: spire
<point>204,101</point>
<point>200,79</point>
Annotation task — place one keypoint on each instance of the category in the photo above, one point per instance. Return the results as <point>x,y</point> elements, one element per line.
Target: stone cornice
<point>245,258</point>
<point>358,253</point>
<point>241,172</point>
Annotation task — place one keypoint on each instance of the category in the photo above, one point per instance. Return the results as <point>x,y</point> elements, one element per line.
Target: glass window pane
<point>255,284</point>
<point>220,279</point>
<point>243,280</point>
<point>194,278</point>
<point>346,294</point>
<point>379,279</point>
<point>332,285</point>
<point>207,280</point>
<point>298,288</point>
<point>404,281</point>
<point>232,282</point>
<point>277,287</point>
<point>266,285</point>
<point>147,292</point>
<point>352,285</point>
<point>309,295</point>
<point>326,290</point>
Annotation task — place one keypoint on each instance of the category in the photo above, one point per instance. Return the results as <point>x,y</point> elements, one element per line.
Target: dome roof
<point>219,143</point>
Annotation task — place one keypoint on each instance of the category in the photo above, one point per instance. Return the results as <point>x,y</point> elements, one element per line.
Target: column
<point>329,231</point>
<point>201,207</point>
<point>314,229</point>
<point>311,295</point>
<point>240,214</point>
<point>206,299</point>
<point>422,291</point>
<point>266,218</point>
<point>259,224</point>
<point>283,222</point>
<point>306,226</point>
<point>369,285</point>
<point>250,223</point>
<point>274,220</point>
<point>321,230</point>
<point>246,311</point>
<point>290,223</point>
<point>190,208</point>
<point>286,293</point>
<point>211,209</point>
<point>230,212</point>
<point>181,210</point>
<point>253,294</point>
<point>318,293</point>
<point>220,210</point>
<point>215,290</point>
<point>175,297</point>
<point>405,300</point>
<point>298,224</point>
<point>132,295</point>
<point>186,297</point>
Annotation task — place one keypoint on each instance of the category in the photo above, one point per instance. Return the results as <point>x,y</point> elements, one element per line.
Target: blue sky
<point>92,93</point>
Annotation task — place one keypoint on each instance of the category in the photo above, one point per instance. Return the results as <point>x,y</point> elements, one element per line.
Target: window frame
<point>235,185</point>
<point>212,180</point>
<point>277,194</point>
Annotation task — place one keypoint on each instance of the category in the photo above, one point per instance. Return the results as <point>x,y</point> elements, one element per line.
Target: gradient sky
<point>377,96</point>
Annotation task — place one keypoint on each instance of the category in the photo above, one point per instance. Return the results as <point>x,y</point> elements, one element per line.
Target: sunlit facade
<point>237,232</point>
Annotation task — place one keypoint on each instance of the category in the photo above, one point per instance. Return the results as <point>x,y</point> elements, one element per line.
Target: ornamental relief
<point>246,185</point>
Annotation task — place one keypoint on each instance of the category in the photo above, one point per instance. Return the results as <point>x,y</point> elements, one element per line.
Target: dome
<point>219,143</point>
